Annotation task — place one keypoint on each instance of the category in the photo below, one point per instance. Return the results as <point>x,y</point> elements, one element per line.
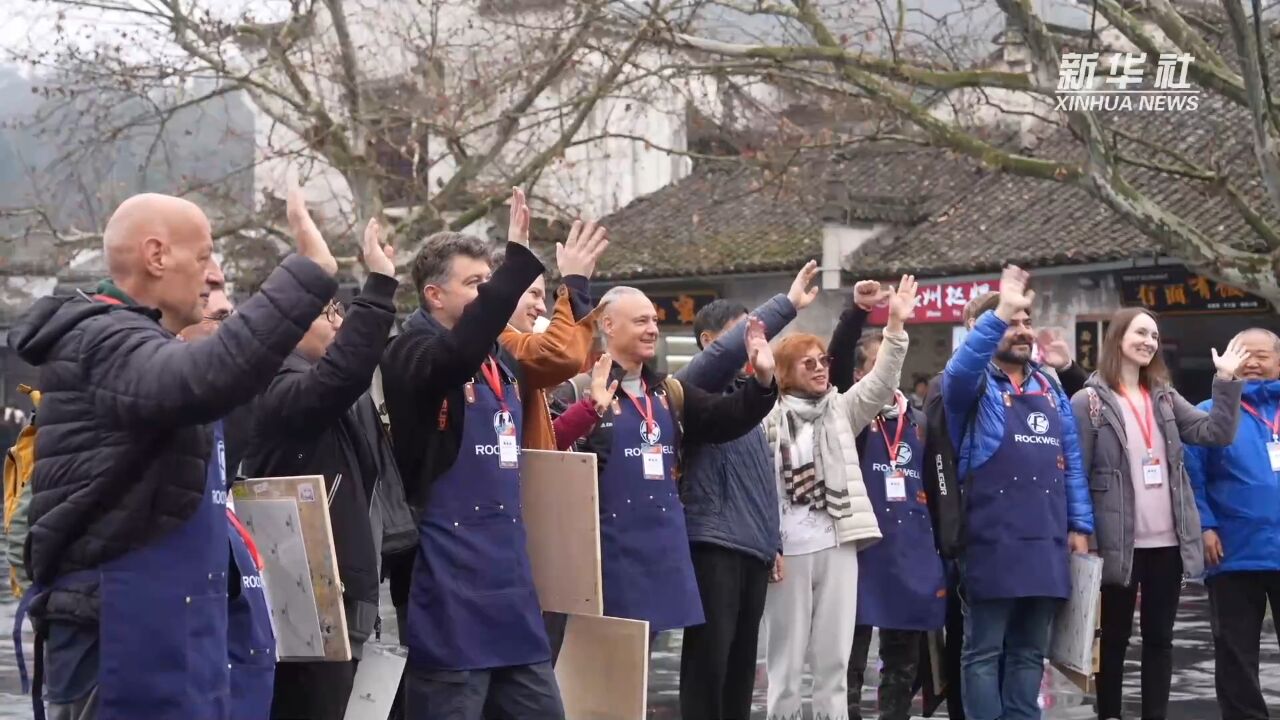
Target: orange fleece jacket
<point>548,359</point>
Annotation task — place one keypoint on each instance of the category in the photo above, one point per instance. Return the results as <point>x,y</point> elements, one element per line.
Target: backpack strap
<point>675,391</point>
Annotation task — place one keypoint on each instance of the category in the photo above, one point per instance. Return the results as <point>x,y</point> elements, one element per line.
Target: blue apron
<point>251,645</point>
<point>162,618</point>
<point>646,566</point>
<point>901,585</point>
<point>472,602</point>
<point>1016,522</point>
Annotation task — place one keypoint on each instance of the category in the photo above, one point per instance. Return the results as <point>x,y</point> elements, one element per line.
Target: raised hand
<point>518,220</point>
<point>902,303</point>
<point>578,254</point>
<point>1231,360</point>
<point>1054,349</point>
<point>602,390</point>
<point>800,294</point>
<point>1014,295</point>
<point>759,352</point>
<point>867,294</point>
<point>310,242</point>
<point>378,257</point>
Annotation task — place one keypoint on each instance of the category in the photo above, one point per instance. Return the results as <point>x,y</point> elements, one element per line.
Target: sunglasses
<point>332,311</point>
<point>811,363</point>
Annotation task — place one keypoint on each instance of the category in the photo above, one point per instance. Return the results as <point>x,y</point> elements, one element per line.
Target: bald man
<point>646,563</point>
<point>128,541</point>
<point>1237,491</point>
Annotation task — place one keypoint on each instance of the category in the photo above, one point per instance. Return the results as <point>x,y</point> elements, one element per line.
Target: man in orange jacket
<point>555,355</point>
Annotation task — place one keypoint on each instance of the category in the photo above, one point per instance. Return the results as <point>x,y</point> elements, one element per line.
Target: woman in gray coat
<point>1132,427</point>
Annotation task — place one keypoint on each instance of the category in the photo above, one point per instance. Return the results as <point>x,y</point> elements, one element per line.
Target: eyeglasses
<point>332,311</point>
<point>811,363</point>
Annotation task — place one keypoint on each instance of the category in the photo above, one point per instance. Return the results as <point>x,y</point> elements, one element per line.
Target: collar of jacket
<point>1030,371</point>
<point>1261,391</point>
<point>111,290</point>
<point>652,378</point>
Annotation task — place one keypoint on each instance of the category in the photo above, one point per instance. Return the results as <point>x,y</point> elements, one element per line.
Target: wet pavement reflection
<point>1192,697</point>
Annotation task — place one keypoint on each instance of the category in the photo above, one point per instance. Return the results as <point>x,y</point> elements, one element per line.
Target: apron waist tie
<point>34,684</point>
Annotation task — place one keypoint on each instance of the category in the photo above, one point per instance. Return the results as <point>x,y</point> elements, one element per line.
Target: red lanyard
<point>1274,426</point>
<point>892,447</point>
<point>646,412</point>
<point>1146,421</point>
<point>248,539</point>
<point>494,379</point>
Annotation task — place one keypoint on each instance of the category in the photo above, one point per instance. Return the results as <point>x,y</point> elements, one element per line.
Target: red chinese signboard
<point>940,302</point>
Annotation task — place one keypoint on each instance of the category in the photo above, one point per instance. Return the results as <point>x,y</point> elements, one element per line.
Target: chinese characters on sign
<point>1122,82</point>
<point>1179,291</point>
<point>940,303</point>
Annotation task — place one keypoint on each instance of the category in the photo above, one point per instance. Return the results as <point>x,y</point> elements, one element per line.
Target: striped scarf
<point>813,475</point>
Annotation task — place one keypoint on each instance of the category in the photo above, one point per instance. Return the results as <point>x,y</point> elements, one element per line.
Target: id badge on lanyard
<point>508,449</point>
<point>654,468</point>
<point>895,478</point>
<point>1273,452</point>
<point>1152,473</point>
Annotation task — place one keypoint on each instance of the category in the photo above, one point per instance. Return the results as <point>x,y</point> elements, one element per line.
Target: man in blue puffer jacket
<point>1026,504</point>
<point>1238,493</point>
<point>731,509</point>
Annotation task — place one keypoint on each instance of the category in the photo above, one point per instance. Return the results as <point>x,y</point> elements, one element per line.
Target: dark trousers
<point>312,690</point>
<point>1157,573</point>
<point>900,653</point>
<point>520,692</point>
<point>1237,605</point>
<point>718,662</point>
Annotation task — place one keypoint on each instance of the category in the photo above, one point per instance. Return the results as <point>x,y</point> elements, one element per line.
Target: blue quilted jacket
<point>970,377</point>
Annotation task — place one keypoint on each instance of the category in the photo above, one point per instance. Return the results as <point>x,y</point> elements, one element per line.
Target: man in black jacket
<point>128,541</point>
<point>470,614</point>
<point>307,423</point>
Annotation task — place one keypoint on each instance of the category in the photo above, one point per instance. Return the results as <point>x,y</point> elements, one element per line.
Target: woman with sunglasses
<point>1132,428</point>
<point>826,516</point>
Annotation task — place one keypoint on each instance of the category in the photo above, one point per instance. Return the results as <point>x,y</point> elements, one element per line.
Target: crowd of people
<point>779,482</point>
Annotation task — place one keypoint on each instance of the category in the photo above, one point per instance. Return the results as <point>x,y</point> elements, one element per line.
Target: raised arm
<point>143,375</point>
<point>429,363</point>
<point>552,357</point>
<point>1216,428</point>
<point>844,339</point>
<point>301,402</point>
<point>718,364</point>
<point>867,397</point>
<point>717,418</point>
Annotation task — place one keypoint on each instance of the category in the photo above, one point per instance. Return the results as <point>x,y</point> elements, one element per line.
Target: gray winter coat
<point>1103,441</point>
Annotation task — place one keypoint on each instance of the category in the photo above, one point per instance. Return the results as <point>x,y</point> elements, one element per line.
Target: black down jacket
<point>124,421</point>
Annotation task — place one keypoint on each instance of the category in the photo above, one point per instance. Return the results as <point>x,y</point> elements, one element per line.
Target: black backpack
<point>941,480</point>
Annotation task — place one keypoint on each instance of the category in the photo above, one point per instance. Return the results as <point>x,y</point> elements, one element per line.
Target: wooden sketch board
<point>289,521</point>
<point>1073,646</point>
<point>562,518</point>
<point>603,668</point>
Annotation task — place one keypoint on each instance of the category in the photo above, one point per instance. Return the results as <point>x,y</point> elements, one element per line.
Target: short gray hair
<point>432,264</point>
<point>1275,339</point>
<point>616,293</point>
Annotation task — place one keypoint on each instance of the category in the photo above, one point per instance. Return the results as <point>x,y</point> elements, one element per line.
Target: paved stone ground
<point>1192,699</point>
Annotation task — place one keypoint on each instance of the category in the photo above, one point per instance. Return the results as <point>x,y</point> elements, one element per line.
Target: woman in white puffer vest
<point>826,517</point>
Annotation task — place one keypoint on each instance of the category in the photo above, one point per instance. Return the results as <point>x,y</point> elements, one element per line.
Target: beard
<point>1010,355</point>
